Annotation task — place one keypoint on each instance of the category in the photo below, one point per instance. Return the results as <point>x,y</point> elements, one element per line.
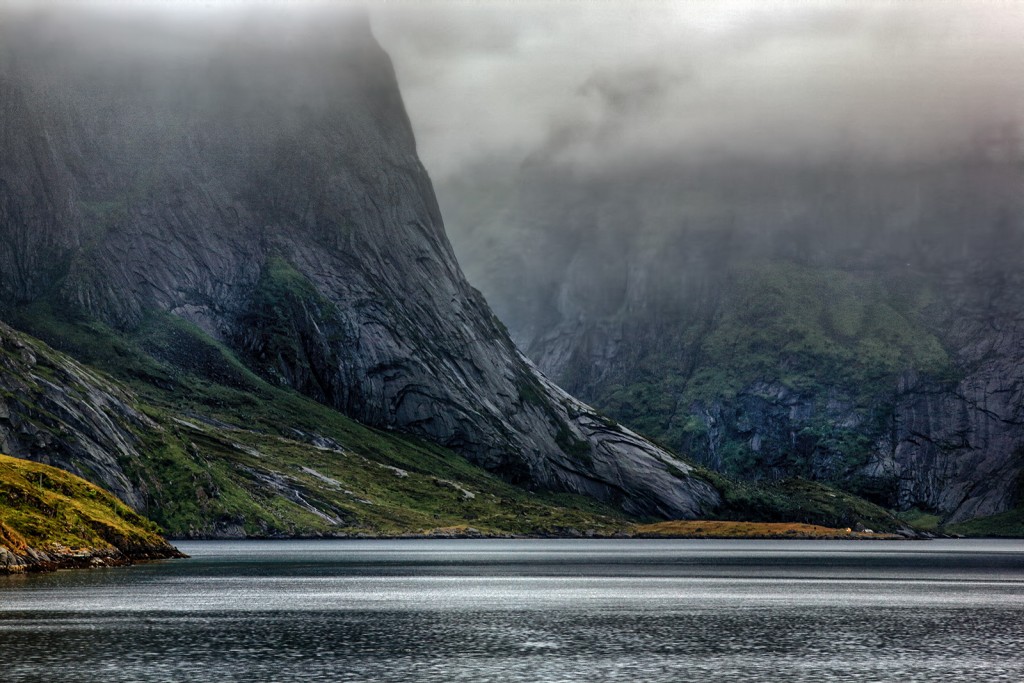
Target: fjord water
<point>528,610</point>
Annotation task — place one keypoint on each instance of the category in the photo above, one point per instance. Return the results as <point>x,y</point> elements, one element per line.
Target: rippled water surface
<point>528,610</point>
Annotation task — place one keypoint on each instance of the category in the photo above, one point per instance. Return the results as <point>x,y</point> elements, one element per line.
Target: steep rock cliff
<point>260,179</point>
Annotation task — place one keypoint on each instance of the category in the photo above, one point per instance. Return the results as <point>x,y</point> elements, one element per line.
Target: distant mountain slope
<point>854,322</point>
<point>50,519</point>
<point>222,453</point>
<point>260,180</point>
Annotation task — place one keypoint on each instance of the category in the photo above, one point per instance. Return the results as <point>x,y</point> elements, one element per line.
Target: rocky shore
<point>28,559</point>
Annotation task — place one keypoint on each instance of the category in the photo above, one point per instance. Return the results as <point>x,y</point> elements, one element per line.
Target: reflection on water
<point>593,610</point>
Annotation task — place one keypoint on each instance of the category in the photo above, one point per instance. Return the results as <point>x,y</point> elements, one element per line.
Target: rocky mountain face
<point>260,180</point>
<point>852,322</point>
<point>205,448</point>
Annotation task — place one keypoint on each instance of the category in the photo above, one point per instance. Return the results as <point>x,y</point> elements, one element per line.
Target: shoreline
<point>694,530</point>
<point>552,537</point>
<point>29,560</point>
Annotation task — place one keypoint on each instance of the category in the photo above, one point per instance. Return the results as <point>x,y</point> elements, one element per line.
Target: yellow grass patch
<point>45,507</point>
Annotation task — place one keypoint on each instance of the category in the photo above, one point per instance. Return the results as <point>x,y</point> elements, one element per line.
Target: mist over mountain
<point>222,210</point>
<point>783,239</point>
<point>624,84</point>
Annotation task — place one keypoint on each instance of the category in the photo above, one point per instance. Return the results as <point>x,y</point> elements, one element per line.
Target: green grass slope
<point>1009,524</point>
<point>50,518</point>
<point>799,501</point>
<point>236,456</point>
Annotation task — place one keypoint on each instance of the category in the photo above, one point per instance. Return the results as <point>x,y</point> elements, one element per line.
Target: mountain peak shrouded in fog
<point>251,170</point>
<point>778,237</point>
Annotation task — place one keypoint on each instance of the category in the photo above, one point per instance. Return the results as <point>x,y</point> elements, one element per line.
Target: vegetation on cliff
<point>831,341</point>
<point>849,321</point>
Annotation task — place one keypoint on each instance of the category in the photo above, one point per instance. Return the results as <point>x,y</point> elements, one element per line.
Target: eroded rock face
<point>959,446</point>
<point>262,182</point>
<point>58,412</point>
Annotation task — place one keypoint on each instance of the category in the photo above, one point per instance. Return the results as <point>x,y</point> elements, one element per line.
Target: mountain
<point>852,321</point>
<point>204,208</point>
<point>208,449</point>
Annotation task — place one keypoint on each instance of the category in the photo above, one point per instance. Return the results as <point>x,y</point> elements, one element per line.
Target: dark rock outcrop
<point>958,446</point>
<point>261,181</point>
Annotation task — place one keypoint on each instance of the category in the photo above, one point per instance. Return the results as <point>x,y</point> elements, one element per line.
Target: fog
<point>599,161</point>
<point>168,30</point>
<point>625,83</point>
<point>603,142</point>
<point>622,83</point>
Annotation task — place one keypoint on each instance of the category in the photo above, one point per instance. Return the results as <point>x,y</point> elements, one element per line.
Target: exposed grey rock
<point>956,448</point>
<point>959,447</point>
<point>63,414</point>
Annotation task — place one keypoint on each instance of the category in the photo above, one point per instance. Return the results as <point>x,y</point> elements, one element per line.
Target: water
<point>510,611</point>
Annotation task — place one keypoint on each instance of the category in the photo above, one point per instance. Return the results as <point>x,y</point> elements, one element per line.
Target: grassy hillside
<point>1008,524</point>
<point>235,455</point>
<point>800,501</point>
<point>45,510</point>
<point>766,530</point>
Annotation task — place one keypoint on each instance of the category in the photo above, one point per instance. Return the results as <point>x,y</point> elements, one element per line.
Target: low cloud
<point>599,85</point>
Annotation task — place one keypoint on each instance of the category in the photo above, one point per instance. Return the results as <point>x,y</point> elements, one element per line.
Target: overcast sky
<point>623,82</point>
<point>603,82</point>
